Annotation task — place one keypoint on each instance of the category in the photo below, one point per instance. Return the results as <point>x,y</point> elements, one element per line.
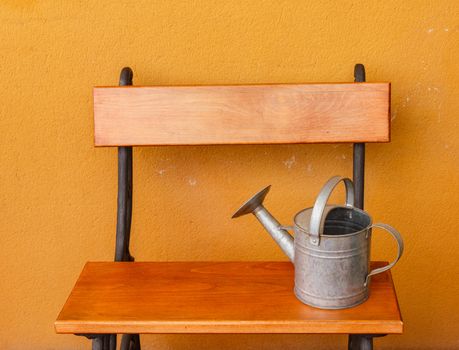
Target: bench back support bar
<point>242,114</point>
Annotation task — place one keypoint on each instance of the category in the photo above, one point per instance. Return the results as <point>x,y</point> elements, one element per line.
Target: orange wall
<point>58,193</point>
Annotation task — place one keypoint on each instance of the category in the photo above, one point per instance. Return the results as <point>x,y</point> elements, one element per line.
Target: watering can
<point>331,249</point>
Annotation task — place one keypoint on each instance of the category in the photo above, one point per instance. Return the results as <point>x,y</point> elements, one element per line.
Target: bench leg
<point>362,341</point>
<point>130,342</point>
<point>98,343</point>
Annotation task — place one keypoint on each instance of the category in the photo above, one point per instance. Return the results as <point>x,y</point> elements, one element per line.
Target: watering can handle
<point>400,246</point>
<point>315,228</point>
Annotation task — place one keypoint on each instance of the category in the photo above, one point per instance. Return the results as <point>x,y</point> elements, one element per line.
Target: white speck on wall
<point>290,162</point>
<point>343,156</point>
<point>309,168</point>
<point>439,115</point>
<point>430,30</point>
<point>161,171</point>
<point>192,181</point>
<point>424,66</point>
<point>446,29</point>
<point>408,99</point>
<point>394,115</point>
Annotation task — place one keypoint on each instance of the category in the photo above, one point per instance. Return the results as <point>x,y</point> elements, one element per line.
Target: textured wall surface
<point>58,193</point>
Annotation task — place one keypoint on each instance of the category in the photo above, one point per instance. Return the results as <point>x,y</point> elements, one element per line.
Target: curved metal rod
<point>126,76</point>
<point>127,255</point>
<point>359,150</point>
<point>124,211</point>
<point>359,73</point>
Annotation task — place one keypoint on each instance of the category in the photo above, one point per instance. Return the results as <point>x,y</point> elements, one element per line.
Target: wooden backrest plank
<point>242,114</point>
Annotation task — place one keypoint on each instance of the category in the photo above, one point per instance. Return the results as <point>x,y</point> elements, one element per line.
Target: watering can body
<point>331,249</point>
<point>331,274</point>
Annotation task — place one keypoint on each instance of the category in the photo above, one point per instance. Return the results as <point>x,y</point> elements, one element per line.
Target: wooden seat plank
<point>242,114</point>
<point>213,297</point>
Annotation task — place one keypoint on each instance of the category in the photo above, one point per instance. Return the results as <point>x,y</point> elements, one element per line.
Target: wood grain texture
<point>242,114</point>
<point>213,297</point>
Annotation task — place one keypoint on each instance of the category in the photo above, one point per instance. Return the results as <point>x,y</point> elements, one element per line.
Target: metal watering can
<point>331,249</point>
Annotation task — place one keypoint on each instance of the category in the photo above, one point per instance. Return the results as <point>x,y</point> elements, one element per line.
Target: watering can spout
<point>280,235</point>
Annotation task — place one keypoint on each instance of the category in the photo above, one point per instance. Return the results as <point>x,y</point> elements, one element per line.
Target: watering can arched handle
<point>315,228</point>
<point>400,247</point>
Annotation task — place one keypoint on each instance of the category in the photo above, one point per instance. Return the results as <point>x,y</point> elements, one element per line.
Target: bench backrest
<point>242,114</point>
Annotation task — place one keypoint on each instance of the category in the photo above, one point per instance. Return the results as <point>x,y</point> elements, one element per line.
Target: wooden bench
<point>132,298</point>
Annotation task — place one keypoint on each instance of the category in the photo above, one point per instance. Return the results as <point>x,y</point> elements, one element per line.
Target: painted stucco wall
<point>58,193</point>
